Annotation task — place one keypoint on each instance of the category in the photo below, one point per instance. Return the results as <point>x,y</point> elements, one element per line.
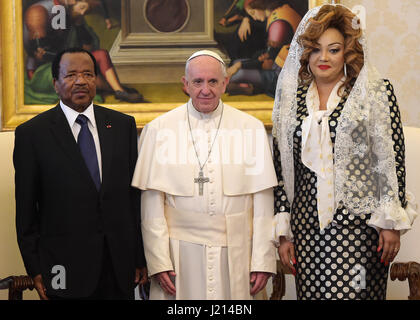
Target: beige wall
<point>10,260</point>
<point>410,249</point>
<point>394,42</point>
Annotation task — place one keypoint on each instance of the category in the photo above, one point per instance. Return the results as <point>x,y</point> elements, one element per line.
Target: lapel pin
<point>108,126</point>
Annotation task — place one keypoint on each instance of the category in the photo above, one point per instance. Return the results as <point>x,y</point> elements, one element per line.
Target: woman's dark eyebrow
<point>330,43</point>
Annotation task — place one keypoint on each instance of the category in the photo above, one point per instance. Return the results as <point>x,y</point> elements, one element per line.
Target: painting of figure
<point>50,26</point>
<point>256,35</point>
<point>253,34</point>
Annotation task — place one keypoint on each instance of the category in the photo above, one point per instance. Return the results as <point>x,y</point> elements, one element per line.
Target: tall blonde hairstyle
<point>348,24</point>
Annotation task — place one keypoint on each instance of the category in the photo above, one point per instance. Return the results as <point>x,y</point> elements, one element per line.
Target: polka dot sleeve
<point>407,213</point>
<point>281,204</point>
<point>398,139</point>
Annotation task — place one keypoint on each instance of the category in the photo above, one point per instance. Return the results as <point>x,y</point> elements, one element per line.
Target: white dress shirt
<point>71,116</point>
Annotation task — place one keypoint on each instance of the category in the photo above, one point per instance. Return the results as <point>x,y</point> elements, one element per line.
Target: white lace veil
<point>364,160</point>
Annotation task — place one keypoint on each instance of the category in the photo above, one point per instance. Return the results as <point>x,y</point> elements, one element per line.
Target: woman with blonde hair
<point>341,202</point>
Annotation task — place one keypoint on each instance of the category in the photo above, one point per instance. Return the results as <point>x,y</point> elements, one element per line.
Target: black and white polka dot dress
<point>342,261</point>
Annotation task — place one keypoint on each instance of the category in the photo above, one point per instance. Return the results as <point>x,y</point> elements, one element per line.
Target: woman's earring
<point>309,69</point>
<point>345,70</point>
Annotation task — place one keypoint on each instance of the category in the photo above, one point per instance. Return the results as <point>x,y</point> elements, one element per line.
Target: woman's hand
<point>287,254</point>
<point>389,243</point>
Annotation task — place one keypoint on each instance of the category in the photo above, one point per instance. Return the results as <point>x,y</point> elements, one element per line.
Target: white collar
<point>312,100</point>
<point>72,115</point>
<point>203,116</point>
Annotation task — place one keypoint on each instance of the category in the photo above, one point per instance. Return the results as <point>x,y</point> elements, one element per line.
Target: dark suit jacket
<point>61,219</point>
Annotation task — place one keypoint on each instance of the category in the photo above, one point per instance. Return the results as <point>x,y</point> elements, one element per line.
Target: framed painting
<point>141,47</point>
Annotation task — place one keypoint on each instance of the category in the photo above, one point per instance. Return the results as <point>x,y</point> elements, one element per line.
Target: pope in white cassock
<point>207,174</point>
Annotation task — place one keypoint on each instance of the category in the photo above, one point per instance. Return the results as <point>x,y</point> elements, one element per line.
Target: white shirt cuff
<point>281,227</point>
<point>396,219</point>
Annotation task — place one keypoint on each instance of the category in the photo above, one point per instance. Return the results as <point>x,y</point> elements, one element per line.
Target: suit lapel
<point>62,131</point>
<point>106,139</point>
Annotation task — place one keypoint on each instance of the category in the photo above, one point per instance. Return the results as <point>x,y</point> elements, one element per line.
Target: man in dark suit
<point>77,217</point>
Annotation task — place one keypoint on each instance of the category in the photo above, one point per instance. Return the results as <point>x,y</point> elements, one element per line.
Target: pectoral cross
<point>201,180</point>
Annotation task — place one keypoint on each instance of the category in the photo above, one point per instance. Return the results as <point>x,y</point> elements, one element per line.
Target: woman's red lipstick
<point>324,67</point>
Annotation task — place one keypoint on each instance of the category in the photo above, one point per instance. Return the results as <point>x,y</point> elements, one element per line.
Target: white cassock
<point>214,240</point>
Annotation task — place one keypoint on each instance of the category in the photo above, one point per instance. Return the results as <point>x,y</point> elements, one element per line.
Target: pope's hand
<point>259,280</point>
<point>165,282</point>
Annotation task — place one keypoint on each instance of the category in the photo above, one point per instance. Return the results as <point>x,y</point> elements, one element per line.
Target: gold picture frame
<point>15,112</point>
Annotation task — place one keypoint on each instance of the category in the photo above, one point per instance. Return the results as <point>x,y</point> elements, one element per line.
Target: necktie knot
<point>82,119</point>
